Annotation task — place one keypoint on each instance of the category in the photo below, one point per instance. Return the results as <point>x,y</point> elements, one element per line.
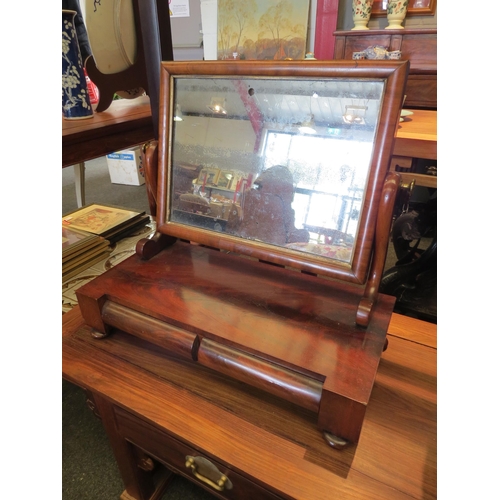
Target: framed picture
<point>415,8</point>
<point>262,30</point>
<point>99,219</point>
<point>225,179</point>
<point>208,177</point>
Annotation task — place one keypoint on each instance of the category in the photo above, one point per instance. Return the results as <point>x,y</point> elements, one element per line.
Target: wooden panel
<point>416,137</point>
<point>421,91</point>
<point>354,44</point>
<point>420,332</point>
<point>420,49</point>
<point>358,44</point>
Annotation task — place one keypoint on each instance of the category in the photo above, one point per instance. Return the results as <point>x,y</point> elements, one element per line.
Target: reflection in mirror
<point>275,160</point>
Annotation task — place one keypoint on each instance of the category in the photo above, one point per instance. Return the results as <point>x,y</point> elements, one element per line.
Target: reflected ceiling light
<point>217,105</point>
<point>355,114</point>
<point>178,113</point>
<point>307,126</point>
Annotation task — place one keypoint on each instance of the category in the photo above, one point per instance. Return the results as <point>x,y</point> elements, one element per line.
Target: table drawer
<point>189,462</point>
<point>400,163</point>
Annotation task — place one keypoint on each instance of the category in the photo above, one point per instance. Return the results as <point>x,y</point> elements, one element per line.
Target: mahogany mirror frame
<point>392,73</point>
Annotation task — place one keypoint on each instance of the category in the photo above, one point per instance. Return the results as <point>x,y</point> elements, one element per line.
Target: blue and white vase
<point>75,96</point>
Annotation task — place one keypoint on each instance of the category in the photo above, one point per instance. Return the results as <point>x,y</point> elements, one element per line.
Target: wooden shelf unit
<point>419,46</point>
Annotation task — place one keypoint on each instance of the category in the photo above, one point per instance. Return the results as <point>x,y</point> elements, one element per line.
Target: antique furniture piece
<point>164,415</point>
<point>416,140</point>
<point>126,123</point>
<point>257,298</point>
<point>419,46</point>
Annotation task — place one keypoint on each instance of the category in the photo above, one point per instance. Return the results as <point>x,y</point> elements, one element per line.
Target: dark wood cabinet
<point>419,46</point>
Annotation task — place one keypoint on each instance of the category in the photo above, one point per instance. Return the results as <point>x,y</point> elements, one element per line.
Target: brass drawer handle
<point>207,472</point>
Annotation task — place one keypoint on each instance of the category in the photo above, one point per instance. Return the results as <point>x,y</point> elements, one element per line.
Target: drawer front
<point>200,469</point>
<point>400,163</point>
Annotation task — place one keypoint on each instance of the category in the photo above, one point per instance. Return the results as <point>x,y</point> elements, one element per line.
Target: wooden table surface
<point>275,444</point>
<point>417,135</point>
<point>126,123</point>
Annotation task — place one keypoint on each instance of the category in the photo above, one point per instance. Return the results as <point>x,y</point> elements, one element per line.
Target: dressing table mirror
<point>273,207</point>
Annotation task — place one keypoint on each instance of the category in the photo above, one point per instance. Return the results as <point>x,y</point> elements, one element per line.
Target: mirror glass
<point>283,161</point>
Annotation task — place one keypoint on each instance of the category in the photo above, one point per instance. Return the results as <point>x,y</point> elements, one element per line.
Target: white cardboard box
<point>125,167</point>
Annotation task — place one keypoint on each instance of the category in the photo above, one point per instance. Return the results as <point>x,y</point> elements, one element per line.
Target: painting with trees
<point>262,29</point>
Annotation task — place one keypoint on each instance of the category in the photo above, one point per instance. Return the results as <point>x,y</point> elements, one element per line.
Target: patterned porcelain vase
<point>75,96</point>
<point>396,13</point>
<point>361,12</point>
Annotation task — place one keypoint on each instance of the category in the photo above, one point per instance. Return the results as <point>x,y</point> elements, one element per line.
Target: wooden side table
<point>416,138</point>
<point>163,417</point>
<point>126,123</point>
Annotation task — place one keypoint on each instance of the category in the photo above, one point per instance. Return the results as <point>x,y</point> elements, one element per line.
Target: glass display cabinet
<point>273,206</point>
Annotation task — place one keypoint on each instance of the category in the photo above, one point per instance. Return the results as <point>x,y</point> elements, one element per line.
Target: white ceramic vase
<point>396,13</point>
<point>361,12</point>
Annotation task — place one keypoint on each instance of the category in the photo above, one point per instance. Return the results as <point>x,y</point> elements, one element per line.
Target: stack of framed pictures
<point>111,223</point>
<point>81,250</point>
<point>89,233</point>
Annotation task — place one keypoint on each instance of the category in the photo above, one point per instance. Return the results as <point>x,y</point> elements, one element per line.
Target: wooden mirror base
<point>282,331</point>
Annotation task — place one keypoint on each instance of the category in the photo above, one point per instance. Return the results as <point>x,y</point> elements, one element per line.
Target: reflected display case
<point>273,207</point>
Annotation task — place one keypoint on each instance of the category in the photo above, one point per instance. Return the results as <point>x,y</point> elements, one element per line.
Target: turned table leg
<point>136,469</point>
<point>79,170</point>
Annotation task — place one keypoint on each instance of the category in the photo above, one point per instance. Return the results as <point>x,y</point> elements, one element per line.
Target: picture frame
<point>225,180</point>
<point>255,37</point>
<point>208,177</point>
<point>415,8</point>
<point>100,219</point>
